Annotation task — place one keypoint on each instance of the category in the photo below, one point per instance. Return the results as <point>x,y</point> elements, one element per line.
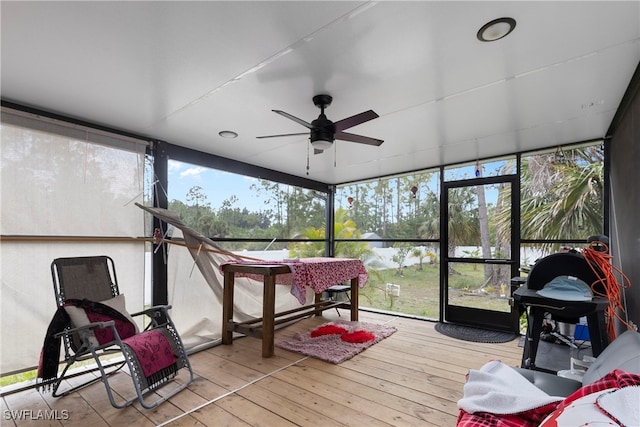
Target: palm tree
<point>565,200</point>
<point>345,228</point>
<point>462,222</point>
<point>308,249</point>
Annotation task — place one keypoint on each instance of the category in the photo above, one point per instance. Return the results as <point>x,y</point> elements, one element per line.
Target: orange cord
<point>613,289</point>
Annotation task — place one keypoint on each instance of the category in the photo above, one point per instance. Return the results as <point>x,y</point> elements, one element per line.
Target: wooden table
<point>304,271</point>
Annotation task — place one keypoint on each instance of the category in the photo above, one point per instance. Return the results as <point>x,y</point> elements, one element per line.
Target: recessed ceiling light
<point>228,134</point>
<point>496,29</point>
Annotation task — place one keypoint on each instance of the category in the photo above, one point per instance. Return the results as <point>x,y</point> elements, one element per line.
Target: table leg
<point>317,299</point>
<point>268,313</point>
<point>536,316</point>
<point>227,308</point>
<point>597,332</point>
<point>354,298</point>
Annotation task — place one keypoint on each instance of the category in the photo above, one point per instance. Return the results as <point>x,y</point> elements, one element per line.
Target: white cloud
<point>194,172</point>
<point>175,165</point>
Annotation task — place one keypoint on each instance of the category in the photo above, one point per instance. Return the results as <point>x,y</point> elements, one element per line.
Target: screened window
<point>402,207</point>
<point>393,226</point>
<point>224,205</point>
<point>562,193</point>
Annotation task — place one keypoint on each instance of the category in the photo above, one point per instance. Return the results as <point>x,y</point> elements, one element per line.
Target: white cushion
<point>79,317</point>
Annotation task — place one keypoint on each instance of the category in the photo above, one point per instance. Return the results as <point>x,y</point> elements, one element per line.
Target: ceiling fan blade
<point>344,136</point>
<point>284,134</point>
<point>294,118</point>
<point>355,120</point>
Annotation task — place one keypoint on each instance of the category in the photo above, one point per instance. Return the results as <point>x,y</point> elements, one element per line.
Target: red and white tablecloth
<point>316,273</point>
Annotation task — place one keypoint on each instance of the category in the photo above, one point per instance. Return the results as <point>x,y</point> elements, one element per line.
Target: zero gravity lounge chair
<point>91,321</point>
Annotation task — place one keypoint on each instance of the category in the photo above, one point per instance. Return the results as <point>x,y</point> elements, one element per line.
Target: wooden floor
<point>414,377</point>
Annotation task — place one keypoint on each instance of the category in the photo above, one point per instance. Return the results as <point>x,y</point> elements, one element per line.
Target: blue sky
<point>217,185</point>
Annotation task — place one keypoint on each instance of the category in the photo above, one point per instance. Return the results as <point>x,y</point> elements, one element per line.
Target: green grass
<point>18,378</point>
<point>420,290</point>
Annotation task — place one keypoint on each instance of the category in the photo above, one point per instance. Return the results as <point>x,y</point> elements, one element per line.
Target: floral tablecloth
<point>316,273</point>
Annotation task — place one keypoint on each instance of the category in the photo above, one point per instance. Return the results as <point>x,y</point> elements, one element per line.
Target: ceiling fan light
<point>322,144</point>
<point>496,29</point>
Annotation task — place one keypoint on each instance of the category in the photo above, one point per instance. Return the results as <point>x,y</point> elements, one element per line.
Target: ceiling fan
<point>324,131</point>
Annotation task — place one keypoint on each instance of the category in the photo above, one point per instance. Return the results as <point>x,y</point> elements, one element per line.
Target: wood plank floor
<point>413,378</point>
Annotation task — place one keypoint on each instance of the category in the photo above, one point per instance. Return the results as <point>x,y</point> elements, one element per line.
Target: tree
<point>483,222</point>
<point>308,249</point>
<point>209,226</point>
<point>295,208</point>
<point>362,209</point>
<point>421,253</point>
<point>305,209</point>
<point>345,228</point>
<point>463,218</point>
<point>197,197</point>
<point>430,209</point>
<point>462,221</point>
<point>277,198</point>
<point>400,257</point>
<point>563,200</point>
<point>384,202</point>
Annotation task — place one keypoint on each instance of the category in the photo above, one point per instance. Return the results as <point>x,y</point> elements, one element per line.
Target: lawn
<point>419,292</point>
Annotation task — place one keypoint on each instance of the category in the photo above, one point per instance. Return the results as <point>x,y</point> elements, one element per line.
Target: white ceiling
<point>184,71</point>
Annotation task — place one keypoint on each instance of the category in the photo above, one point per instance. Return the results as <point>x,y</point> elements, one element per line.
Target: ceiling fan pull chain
<point>308,144</point>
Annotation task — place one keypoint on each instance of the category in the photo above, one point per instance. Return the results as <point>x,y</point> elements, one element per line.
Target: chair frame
<point>71,337</point>
<point>335,290</point>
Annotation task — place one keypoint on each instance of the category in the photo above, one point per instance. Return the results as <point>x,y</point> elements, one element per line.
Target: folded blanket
<point>50,353</point>
<point>493,389</point>
<point>153,351</point>
<point>613,398</point>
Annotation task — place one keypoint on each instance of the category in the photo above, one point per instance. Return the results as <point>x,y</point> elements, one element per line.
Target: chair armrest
<point>154,311</point>
<point>88,327</point>
<point>159,315</point>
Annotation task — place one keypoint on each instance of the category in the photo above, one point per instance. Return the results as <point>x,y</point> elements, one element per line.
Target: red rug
<point>337,341</point>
